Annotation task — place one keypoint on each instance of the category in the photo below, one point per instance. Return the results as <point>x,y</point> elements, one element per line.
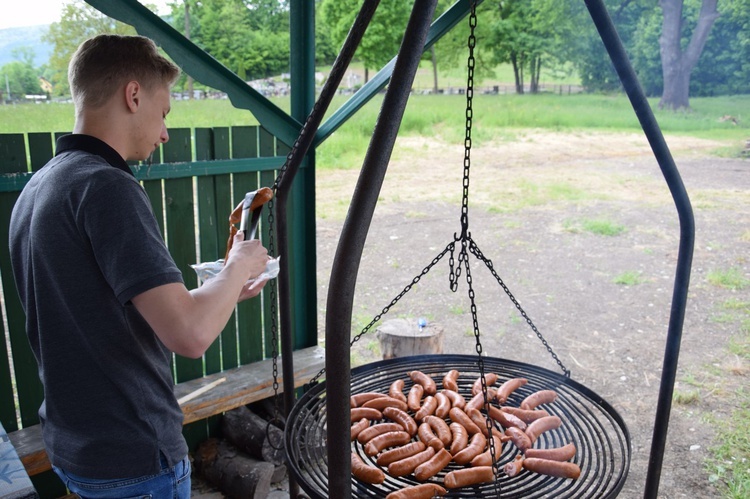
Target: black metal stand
<point>653,133</point>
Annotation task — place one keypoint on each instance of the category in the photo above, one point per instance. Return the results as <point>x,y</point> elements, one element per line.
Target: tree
<point>383,36</point>
<point>21,78</point>
<point>254,44</point>
<point>79,21</point>
<point>678,63</point>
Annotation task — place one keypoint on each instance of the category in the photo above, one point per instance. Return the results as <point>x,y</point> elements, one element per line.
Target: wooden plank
<point>243,385</point>
<point>40,149</point>
<point>12,153</point>
<point>208,230</point>
<point>245,142</point>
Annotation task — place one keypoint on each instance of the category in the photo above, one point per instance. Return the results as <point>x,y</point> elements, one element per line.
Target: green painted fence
<point>201,176</point>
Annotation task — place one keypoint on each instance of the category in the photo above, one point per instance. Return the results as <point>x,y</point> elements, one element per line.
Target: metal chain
<point>387,308</point>
<point>478,253</point>
<point>272,293</point>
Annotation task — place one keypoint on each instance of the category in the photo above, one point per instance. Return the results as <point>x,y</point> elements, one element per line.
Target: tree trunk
<point>367,74</point>
<point>517,73</point>
<point>536,69</point>
<point>434,70</point>
<point>677,65</point>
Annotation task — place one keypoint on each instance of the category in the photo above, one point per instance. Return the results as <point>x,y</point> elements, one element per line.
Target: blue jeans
<point>169,483</point>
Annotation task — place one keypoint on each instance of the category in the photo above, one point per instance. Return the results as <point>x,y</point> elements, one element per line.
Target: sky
<point>33,12</point>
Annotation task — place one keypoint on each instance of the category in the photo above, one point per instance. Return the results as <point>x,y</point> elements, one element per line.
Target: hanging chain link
<point>276,417</point>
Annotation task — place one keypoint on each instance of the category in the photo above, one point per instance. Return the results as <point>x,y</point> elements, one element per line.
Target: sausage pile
<point>420,433</point>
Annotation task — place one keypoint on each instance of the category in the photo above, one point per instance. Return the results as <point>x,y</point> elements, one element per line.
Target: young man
<point>105,303</point>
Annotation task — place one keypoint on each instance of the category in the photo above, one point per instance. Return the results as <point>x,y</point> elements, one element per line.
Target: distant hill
<point>27,36</point>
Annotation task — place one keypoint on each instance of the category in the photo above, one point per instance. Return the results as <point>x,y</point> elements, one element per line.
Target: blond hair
<point>104,63</point>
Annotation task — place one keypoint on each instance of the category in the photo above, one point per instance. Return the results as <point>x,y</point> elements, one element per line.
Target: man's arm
<point>187,322</point>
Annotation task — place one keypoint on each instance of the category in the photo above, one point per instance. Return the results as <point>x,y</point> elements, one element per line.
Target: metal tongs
<point>250,218</point>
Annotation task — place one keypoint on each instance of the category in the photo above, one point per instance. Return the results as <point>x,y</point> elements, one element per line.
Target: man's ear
<point>133,94</point>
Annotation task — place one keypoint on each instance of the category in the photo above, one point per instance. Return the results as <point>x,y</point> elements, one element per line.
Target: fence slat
<point>12,153</point>
<point>40,149</point>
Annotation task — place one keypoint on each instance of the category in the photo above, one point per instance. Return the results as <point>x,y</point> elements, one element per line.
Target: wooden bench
<point>201,398</point>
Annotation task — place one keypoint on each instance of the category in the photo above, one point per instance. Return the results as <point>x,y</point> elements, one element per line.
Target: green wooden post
<point>302,197</point>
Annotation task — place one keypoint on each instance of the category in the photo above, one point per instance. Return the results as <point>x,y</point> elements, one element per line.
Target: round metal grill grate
<point>599,433</point>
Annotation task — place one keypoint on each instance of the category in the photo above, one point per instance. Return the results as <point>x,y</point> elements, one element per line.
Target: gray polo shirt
<point>83,242</point>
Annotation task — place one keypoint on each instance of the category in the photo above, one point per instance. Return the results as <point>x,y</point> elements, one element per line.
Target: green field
<point>443,117</point>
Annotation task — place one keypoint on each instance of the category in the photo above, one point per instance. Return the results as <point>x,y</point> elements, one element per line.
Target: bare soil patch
<point>530,199</point>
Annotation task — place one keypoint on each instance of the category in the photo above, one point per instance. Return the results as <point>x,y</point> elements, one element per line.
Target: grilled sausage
<point>468,476</point>
<point>478,401</point>
<point>407,465</point>
<point>506,419</point>
<point>541,425</point>
<point>459,438</point>
<point>456,399</point>
<point>381,403</point>
<point>538,398</point>
<point>366,412</point>
<point>427,435</point>
<point>485,458</point>
<point>507,388</point>
<point>414,399</point>
<point>443,405</point>
<point>460,417</point>
<point>398,453</point>
<point>359,426</point>
<point>475,447</point>
<point>563,453</point>
<point>433,466</point>
<point>389,439</point>
<point>562,469</point>
<point>489,378</point>
<point>377,429</point>
<point>428,408</point>
<point>441,428</point>
<point>364,472</point>
<point>402,418</point>
<point>430,388</point>
<point>450,380</point>
<point>360,398</point>
<point>525,415</point>
<point>514,467</point>
<point>396,390</point>
<point>421,491</point>
<point>519,438</point>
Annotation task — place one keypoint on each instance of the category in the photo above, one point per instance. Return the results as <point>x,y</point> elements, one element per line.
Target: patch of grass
<point>729,468</point>
<point>732,278</point>
<point>456,310</point>
<point>600,227</point>
<point>628,278</point>
<point>687,397</point>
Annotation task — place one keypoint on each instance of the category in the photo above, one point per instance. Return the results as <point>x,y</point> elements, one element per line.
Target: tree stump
<point>236,474</point>
<point>252,434</point>
<point>405,337</point>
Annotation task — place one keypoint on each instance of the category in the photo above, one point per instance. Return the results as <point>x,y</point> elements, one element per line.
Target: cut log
<point>403,338</point>
<point>251,433</point>
<point>235,473</point>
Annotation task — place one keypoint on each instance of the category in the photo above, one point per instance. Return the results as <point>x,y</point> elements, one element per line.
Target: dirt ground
<point>531,197</point>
